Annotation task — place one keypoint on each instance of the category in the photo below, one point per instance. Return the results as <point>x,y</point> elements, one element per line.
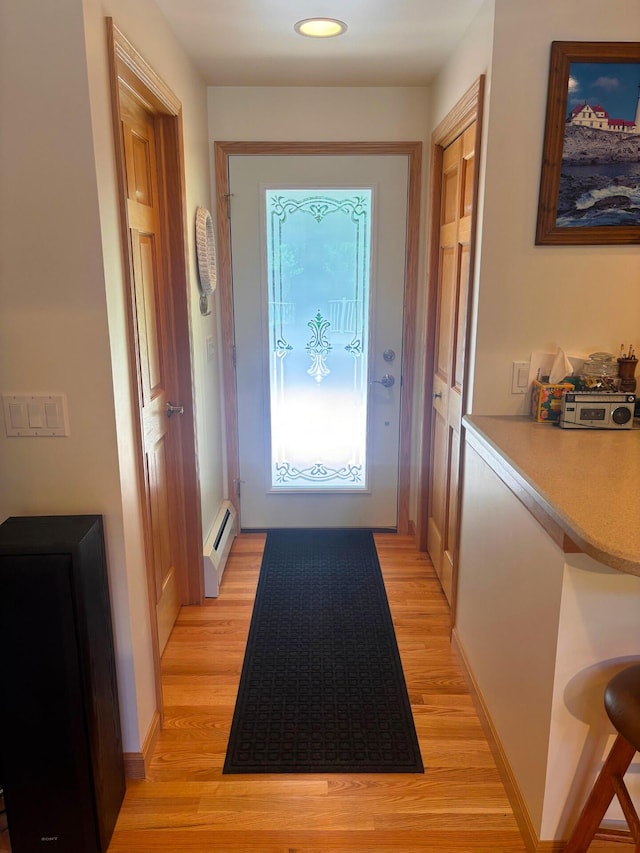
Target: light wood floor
<point>187,806</point>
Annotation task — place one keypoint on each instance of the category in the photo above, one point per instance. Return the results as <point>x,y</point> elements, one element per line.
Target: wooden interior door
<point>457,193</point>
<point>153,336</point>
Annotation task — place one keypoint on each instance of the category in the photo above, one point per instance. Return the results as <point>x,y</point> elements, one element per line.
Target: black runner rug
<point>322,688</point>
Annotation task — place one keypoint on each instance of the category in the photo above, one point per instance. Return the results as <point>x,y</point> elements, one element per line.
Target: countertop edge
<point>549,514</point>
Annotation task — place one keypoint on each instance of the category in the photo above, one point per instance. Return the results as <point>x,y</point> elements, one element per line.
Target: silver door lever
<point>387,380</point>
<point>174,410</point>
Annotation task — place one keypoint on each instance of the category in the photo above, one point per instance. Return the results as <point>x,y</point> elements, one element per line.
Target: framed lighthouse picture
<point>590,178</point>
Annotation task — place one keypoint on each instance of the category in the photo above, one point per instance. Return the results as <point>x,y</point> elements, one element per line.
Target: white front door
<point>318,262</point>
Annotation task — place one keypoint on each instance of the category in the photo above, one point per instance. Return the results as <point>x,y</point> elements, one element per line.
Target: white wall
<point>329,114</point>
<point>53,330</point>
<point>470,59</point>
<point>53,324</point>
<point>62,317</point>
<point>584,298</point>
<point>508,606</point>
<point>298,114</point>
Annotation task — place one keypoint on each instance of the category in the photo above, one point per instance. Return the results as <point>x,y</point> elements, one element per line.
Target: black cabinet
<point>61,762</point>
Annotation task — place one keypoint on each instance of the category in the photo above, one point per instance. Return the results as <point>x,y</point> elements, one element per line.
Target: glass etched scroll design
<point>318,274</point>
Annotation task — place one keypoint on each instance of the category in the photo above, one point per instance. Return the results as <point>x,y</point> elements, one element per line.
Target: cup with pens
<point>627,362</point>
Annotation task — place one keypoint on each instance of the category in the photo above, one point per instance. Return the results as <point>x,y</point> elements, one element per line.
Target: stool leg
<point>601,795</point>
<point>629,810</point>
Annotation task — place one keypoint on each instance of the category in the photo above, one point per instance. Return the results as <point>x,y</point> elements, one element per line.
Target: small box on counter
<point>546,400</point>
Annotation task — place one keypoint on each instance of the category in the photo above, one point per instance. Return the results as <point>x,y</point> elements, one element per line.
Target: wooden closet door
<point>153,335</point>
<point>456,209</point>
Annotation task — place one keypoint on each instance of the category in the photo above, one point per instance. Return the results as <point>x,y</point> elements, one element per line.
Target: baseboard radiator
<point>217,547</point>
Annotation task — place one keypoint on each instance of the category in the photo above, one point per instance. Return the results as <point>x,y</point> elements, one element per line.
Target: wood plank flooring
<point>185,805</point>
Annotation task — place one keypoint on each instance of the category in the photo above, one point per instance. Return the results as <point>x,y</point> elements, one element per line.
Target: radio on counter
<point>599,410</point>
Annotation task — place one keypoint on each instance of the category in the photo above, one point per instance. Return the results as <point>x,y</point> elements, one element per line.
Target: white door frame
<point>413,151</point>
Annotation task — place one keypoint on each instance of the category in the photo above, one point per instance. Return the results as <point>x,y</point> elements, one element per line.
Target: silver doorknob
<point>438,395</point>
<point>387,380</point>
<point>174,410</point>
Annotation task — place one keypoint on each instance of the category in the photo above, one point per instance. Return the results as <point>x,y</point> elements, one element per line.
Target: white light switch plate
<point>520,377</point>
<point>35,415</point>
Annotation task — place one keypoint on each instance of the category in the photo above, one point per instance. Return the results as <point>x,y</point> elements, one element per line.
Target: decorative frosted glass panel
<point>318,259</point>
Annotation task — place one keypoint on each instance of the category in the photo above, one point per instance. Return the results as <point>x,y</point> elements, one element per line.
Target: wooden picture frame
<point>590,179</point>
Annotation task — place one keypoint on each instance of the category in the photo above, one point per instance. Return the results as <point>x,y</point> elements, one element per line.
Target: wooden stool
<point>622,704</point>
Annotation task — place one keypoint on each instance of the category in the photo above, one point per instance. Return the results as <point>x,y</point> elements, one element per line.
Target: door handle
<point>174,410</point>
<point>438,395</point>
<point>387,380</point>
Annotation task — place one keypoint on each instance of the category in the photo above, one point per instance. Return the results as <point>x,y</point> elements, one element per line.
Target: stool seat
<point>622,704</point>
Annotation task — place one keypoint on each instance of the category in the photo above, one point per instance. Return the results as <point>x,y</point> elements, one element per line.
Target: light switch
<point>519,377</point>
<point>523,377</point>
<point>52,415</point>
<point>35,415</point>
<point>18,415</point>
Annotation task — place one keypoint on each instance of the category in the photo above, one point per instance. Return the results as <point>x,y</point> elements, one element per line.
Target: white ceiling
<point>253,43</point>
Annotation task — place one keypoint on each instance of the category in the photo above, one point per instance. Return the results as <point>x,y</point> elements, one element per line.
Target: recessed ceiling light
<point>320,28</point>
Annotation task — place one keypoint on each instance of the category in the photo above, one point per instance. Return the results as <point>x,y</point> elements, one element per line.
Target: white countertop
<point>586,481</point>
